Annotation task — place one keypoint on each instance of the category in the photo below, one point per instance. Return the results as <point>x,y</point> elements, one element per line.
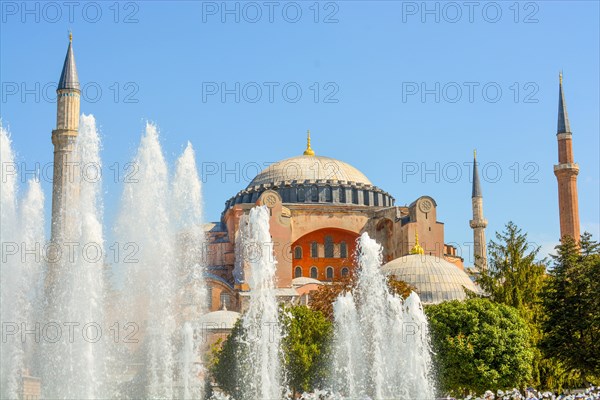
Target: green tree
<point>572,308</point>
<point>306,347</point>
<point>479,345</point>
<point>514,277</point>
<point>223,364</point>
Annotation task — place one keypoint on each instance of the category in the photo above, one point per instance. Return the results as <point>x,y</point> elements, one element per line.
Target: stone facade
<point>31,387</point>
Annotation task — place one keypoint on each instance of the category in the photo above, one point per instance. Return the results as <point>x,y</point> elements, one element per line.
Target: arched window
<point>328,194</point>
<point>285,194</point>
<point>300,194</point>
<point>343,250</point>
<point>329,273</point>
<point>366,197</point>
<point>297,252</point>
<point>342,194</point>
<point>313,272</point>
<point>314,250</point>
<point>376,199</point>
<point>226,300</point>
<point>328,247</point>
<point>345,271</point>
<point>314,194</point>
<point>298,272</point>
<point>354,196</point>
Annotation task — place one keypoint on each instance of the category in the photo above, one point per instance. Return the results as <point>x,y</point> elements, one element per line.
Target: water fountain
<point>164,265</point>
<point>78,292</point>
<point>22,228</point>
<point>73,319</point>
<point>381,347</point>
<point>259,362</point>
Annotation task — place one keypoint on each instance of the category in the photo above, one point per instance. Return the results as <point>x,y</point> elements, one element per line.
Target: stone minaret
<point>478,223</point>
<point>566,172</point>
<point>65,186</point>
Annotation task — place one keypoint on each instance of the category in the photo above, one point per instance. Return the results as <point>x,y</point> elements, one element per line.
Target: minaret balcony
<point>478,223</point>
<point>564,135</point>
<point>571,167</point>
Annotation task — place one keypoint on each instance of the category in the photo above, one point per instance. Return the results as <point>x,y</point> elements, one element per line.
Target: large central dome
<point>309,168</point>
<point>314,179</point>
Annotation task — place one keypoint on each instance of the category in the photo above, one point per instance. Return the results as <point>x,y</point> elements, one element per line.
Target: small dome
<point>216,320</point>
<point>309,168</point>
<point>435,279</point>
<point>305,280</point>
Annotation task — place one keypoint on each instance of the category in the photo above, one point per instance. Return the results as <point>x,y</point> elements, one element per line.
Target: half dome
<point>435,279</point>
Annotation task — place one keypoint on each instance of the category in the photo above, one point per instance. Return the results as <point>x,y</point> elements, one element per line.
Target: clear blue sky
<point>165,56</point>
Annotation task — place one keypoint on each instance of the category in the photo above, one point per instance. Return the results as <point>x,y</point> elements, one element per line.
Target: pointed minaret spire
<point>309,151</point>
<point>478,223</point>
<point>68,77</point>
<point>476,185</point>
<point>563,118</point>
<point>566,172</point>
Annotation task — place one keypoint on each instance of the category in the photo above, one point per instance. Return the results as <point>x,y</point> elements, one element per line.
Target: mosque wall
<point>324,254</point>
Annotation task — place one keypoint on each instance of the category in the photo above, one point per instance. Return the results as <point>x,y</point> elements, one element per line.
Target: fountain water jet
<point>165,267</point>
<point>381,348</point>
<point>186,207</point>
<point>73,367</point>
<point>162,260</point>
<point>259,363</point>
<point>22,230</point>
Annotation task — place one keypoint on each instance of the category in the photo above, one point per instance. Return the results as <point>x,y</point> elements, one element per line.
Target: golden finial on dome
<point>70,36</point>
<point>308,151</point>
<point>417,249</point>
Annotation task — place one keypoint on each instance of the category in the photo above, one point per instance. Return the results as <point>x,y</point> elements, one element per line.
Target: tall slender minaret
<point>478,223</point>
<point>65,186</point>
<point>566,172</point>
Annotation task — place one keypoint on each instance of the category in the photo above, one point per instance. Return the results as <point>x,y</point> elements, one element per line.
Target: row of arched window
<point>312,192</point>
<point>314,272</point>
<point>318,194</point>
<point>328,247</point>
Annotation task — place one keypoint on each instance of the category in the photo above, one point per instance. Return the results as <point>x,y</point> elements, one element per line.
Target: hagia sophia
<point>319,206</point>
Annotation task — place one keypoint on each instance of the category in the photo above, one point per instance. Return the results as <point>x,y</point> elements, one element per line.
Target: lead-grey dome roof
<point>314,180</point>
<point>309,168</point>
<point>435,279</point>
